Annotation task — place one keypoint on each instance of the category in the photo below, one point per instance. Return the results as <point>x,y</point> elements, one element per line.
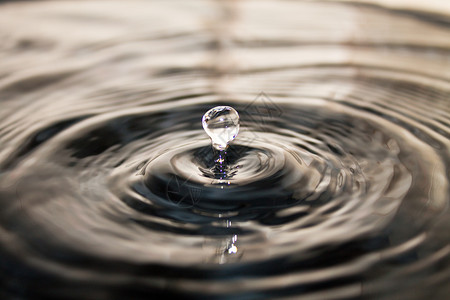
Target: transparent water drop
<point>221,123</point>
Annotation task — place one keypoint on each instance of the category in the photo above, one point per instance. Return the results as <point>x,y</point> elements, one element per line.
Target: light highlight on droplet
<point>221,123</point>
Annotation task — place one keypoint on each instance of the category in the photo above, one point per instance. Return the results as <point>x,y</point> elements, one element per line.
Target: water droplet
<point>221,123</point>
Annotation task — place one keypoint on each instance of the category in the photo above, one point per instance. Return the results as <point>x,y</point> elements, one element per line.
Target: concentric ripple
<point>336,187</point>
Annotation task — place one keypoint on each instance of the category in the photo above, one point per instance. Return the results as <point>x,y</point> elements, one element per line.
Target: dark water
<point>337,186</point>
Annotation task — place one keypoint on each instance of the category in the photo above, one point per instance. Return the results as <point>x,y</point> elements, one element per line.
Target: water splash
<point>106,187</point>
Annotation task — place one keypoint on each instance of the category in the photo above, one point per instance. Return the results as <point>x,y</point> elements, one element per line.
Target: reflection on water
<point>336,187</point>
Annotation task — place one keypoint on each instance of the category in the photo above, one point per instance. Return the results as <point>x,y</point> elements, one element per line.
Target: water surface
<point>337,186</point>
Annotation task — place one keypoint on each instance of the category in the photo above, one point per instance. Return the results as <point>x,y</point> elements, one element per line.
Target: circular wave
<point>336,187</point>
